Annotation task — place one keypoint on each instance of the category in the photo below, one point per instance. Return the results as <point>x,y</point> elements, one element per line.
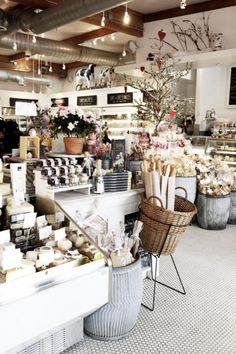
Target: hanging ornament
<point>158,109</point>
<point>161,35</point>
<point>172,114</point>
<point>142,68</point>
<point>159,63</point>
<point>125,89</point>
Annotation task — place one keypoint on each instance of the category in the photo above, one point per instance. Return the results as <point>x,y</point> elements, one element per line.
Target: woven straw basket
<point>163,228</point>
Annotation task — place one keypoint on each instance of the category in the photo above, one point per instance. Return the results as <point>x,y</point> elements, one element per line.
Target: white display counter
<point>46,309</point>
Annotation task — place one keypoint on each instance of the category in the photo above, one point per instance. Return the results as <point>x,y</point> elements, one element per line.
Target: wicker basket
<point>163,228</point>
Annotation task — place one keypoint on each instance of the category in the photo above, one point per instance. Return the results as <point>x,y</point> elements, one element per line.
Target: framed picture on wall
<point>56,102</point>
<point>14,100</point>
<point>231,88</point>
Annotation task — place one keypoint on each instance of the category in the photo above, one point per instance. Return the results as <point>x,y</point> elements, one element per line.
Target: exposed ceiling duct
<point>64,13</point>
<point>22,80</point>
<point>61,51</point>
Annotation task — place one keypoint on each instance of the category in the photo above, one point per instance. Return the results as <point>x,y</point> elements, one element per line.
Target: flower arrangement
<point>77,124</point>
<point>103,151</point>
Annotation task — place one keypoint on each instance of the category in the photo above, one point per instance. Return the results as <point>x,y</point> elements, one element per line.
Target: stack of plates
<point>117,181</point>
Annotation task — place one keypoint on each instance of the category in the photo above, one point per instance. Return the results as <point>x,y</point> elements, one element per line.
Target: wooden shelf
<point>225,152</point>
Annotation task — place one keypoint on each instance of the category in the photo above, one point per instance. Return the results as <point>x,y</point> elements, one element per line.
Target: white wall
<point>212,92</point>
<point>222,20</point>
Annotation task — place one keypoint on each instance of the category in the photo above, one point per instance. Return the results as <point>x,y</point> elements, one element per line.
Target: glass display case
<point>223,148</point>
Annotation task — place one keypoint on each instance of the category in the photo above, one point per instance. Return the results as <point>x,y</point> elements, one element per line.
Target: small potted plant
<point>76,127</point>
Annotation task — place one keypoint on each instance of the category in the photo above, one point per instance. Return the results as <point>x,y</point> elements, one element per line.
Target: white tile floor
<point>201,322</point>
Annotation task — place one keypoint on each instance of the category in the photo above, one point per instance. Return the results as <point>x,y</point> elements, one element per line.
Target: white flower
<point>71,126</point>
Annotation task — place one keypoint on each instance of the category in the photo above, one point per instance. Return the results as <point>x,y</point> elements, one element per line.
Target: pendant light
<point>39,66</point>
<point>183,4</point>
<point>33,78</point>
<point>124,52</point>
<point>126,18</point>
<point>63,66</point>
<point>34,40</point>
<point>113,36</point>
<point>103,20</point>
<point>95,41</point>
<point>14,47</point>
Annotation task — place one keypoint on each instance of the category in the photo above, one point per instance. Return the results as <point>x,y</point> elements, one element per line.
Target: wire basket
<point>163,228</point>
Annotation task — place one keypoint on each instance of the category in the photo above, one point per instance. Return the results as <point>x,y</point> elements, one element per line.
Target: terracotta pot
<point>73,146</point>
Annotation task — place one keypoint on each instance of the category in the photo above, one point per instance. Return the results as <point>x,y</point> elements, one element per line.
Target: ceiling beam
<point>190,9</point>
<point>81,38</point>
<point>114,21</point>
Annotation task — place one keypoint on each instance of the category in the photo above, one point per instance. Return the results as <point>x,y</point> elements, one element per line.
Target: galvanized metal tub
<point>116,319</point>
<point>190,184</point>
<point>213,211</point>
<point>232,211</point>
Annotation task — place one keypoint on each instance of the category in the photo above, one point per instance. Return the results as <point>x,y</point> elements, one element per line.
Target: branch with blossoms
<point>159,102</point>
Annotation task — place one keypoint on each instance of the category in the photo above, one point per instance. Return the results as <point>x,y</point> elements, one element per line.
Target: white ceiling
<point>149,6</point>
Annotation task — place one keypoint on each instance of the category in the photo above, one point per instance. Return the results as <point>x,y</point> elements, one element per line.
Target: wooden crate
<point>29,144</point>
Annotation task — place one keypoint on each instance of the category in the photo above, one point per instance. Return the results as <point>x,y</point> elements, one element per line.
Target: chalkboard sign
<point>118,98</point>
<point>14,100</point>
<point>56,102</point>
<point>232,88</point>
<point>117,146</point>
<point>87,100</point>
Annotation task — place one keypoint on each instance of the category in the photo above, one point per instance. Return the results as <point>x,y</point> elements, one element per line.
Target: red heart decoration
<point>142,68</point>
<point>170,126</point>
<point>158,109</point>
<point>161,35</point>
<point>172,114</point>
<point>125,88</point>
<point>159,63</point>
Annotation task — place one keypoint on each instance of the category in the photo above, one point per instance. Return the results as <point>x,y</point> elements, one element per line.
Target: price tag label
<point>29,220</point>
<point>45,232</point>
<point>59,234</point>
<point>41,221</point>
<point>5,236</point>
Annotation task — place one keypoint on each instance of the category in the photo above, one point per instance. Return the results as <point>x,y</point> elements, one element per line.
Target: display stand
<point>42,189</point>
<point>153,278</point>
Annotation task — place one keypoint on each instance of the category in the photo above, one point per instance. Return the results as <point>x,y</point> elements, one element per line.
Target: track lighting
<point>183,4</point>
<point>103,19</point>
<point>34,40</point>
<point>14,47</point>
<point>63,66</point>
<point>126,17</point>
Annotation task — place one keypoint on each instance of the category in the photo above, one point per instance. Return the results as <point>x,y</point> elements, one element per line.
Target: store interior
<point>117,176</point>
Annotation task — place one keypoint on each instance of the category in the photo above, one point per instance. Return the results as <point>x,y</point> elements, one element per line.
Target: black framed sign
<point>14,100</point>
<point>56,102</point>
<point>87,100</point>
<point>119,98</point>
<point>232,87</point>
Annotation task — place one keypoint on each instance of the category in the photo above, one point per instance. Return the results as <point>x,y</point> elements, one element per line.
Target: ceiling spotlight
<point>14,47</point>
<point>50,68</point>
<point>63,66</point>
<point>102,39</point>
<point>103,19</point>
<point>34,40</point>
<point>126,17</point>
<point>183,4</point>
<point>124,53</point>
<point>95,41</point>
<point>113,36</point>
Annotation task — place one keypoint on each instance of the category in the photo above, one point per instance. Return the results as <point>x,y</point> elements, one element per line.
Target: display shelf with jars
<point>223,148</point>
<point>118,120</point>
